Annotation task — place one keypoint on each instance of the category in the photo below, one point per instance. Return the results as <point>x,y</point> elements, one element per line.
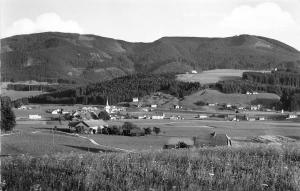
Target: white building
<point>35,117</point>
<point>292,116</point>
<point>135,99</point>
<point>154,106</point>
<point>203,116</point>
<point>107,107</point>
<point>158,116</point>
<point>194,72</point>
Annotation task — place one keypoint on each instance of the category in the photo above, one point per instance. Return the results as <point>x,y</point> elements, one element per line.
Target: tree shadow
<point>65,130</point>
<point>92,149</point>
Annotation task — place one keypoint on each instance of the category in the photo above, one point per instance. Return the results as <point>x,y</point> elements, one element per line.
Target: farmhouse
<point>88,126</point>
<point>231,117</point>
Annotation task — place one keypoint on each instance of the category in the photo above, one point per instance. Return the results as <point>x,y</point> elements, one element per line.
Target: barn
<point>179,142</point>
<point>212,139</point>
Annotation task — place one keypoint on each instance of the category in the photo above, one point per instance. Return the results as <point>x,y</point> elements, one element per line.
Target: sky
<point>149,20</point>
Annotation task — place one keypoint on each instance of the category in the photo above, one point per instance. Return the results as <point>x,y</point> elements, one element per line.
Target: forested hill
<point>120,90</point>
<point>69,57</point>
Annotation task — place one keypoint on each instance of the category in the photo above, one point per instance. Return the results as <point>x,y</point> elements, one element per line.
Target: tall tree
<point>8,119</point>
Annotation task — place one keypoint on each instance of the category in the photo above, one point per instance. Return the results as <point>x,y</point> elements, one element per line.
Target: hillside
<point>88,58</point>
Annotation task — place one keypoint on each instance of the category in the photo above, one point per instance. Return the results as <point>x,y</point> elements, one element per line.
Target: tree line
<point>121,89</point>
<point>283,78</point>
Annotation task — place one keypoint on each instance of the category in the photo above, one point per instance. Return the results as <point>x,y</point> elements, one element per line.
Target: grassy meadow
<point>212,76</point>
<point>251,167</point>
<point>215,96</point>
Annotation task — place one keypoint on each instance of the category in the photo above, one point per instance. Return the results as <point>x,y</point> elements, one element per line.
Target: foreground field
<point>246,168</point>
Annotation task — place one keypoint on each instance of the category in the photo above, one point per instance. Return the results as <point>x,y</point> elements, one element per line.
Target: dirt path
<point>92,141</point>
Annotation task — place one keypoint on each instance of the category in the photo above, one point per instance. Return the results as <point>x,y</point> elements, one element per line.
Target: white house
<point>154,106</point>
<point>56,111</point>
<point>203,116</point>
<point>142,117</point>
<point>35,117</point>
<point>158,116</point>
<point>135,99</point>
<point>292,116</point>
<point>194,72</point>
<point>228,105</point>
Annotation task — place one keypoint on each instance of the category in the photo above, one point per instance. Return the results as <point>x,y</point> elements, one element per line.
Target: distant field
<point>212,76</point>
<point>19,94</point>
<point>214,96</point>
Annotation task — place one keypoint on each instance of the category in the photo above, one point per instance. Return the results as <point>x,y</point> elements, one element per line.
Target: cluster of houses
<point>251,93</point>
<point>230,106</point>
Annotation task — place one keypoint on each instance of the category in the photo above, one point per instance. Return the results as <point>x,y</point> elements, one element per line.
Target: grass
<point>252,167</point>
<point>212,76</point>
<point>37,139</point>
<point>214,96</point>
<point>20,94</point>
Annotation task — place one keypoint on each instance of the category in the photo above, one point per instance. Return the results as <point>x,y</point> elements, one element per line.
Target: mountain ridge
<point>91,58</point>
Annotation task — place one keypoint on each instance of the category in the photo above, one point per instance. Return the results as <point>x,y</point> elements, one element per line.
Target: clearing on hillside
<point>215,96</point>
<point>212,76</point>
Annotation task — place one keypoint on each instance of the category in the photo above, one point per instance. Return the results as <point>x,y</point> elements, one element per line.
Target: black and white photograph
<point>150,95</point>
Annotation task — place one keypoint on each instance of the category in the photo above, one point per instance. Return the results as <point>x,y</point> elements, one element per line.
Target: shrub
<point>104,116</point>
<point>156,130</point>
<point>148,131</point>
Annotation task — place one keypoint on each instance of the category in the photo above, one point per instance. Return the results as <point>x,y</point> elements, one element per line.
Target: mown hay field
<point>252,167</point>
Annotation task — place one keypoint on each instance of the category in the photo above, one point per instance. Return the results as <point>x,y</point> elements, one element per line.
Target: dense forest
<point>274,82</point>
<point>282,78</point>
<point>120,90</point>
<point>283,83</point>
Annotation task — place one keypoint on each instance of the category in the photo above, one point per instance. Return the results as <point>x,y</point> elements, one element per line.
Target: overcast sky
<point>148,20</point>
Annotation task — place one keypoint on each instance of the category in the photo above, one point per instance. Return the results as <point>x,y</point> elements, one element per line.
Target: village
<point>138,120</point>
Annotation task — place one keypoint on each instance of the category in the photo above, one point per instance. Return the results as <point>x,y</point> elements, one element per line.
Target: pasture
<point>215,96</point>
<point>212,76</point>
<point>19,94</point>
